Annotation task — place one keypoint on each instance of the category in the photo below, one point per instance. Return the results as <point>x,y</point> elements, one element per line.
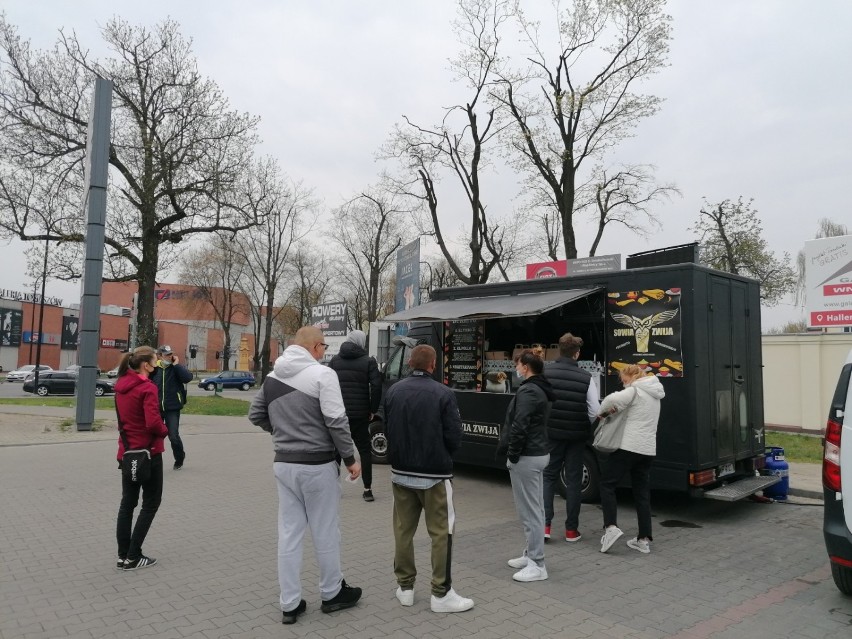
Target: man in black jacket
<point>568,429</point>
<point>361,387</point>
<point>171,379</point>
<point>423,428</point>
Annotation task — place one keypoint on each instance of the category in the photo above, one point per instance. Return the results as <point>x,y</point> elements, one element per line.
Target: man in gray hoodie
<point>301,406</point>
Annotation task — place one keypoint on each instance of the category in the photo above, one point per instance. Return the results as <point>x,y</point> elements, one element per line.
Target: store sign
<point>596,264</point>
<point>32,298</point>
<point>32,337</point>
<point>330,318</point>
<point>11,321</point>
<point>644,328</point>
<point>120,344</point>
<point>463,343</point>
<point>483,432</point>
<point>828,281</point>
<point>544,270</point>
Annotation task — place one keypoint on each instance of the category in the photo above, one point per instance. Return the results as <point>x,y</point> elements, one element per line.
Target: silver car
<point>20,374</point>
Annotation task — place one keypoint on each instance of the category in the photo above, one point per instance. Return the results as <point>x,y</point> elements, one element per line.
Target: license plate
<point>726,469</point>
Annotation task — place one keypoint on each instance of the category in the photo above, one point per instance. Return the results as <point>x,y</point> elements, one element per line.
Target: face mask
<point>519,374</point>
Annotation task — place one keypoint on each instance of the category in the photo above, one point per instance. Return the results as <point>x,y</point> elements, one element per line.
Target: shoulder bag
<point>135,464</point>
<point>610,429</point>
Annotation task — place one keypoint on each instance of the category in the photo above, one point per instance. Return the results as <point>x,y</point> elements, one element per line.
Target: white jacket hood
<point>651,385</point>
<point>294,360</point>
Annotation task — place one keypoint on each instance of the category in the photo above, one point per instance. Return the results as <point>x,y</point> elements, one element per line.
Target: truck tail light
<point>831,457</point>
<point>702,477</point>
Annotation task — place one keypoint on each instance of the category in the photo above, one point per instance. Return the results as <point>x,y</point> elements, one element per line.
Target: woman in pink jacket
<point>139,411</point>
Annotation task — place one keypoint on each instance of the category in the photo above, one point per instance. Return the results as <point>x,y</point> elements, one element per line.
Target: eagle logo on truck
<point>642,325</point>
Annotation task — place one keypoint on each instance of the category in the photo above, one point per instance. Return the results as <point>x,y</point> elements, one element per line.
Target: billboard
<point>11,323</point>
<point>407,276</point>
<point>828,281</point>
<point>330,318</point>
<point>542,270</point>
<point>70,332</point>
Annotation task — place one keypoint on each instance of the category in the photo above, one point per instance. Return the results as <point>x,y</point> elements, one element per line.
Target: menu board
<point>463,355</point>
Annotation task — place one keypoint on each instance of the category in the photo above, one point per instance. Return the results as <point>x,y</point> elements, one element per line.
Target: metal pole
<point>41,314</point>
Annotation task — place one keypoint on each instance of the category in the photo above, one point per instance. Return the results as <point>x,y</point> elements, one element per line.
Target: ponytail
<point>132,360</point>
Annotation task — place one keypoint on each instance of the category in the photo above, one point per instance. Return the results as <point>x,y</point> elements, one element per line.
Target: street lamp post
<point>41,315</point>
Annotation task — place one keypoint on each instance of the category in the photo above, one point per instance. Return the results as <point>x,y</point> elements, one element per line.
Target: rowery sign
<point>828,281</point>
<point>330,318</point>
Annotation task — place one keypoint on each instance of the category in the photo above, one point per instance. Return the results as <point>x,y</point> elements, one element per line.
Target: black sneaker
<point>346,598</point>
<point>120,563</point>
<point>368,495</point>
<point>142,562</point>
<point>290,616</point>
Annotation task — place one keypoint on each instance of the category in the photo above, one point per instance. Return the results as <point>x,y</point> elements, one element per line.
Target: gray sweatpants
<point>527,488</point>
<point>308,496</point>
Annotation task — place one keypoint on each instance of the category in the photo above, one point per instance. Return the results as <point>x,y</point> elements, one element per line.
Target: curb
<point>808,494</point>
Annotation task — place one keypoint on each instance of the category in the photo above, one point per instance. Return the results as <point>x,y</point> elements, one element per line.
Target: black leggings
<point>130,544</point>
<point>361,437</point>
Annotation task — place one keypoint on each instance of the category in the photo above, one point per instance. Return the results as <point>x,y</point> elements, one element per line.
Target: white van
<point>836,475</point>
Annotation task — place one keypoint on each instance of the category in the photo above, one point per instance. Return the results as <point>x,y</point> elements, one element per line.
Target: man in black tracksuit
<point>361,387</point>
<point>423,427</point>
<point>568,429</point>
<point>171,379</point>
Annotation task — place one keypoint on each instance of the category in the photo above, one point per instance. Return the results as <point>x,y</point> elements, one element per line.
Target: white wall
<point>799,376</point>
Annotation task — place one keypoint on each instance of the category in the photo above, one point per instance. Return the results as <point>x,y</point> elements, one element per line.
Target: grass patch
<point>222,406</point>
<point>797,448</point>
<point>65,425</point>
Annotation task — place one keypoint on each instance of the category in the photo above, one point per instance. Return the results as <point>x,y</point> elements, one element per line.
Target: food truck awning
<point>489,307</point>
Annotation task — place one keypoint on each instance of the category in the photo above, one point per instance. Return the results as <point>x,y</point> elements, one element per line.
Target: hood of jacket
<point>351,350</point>
<point>127,382</point>
<point>294,360</point>
<point>651,385</point>
<point>542,382</point>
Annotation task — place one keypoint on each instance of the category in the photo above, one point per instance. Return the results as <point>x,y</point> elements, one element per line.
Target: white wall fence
<point>799,375</point>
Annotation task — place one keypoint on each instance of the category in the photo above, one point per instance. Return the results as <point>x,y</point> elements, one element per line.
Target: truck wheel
<point>591,482</point>
<point>378,443</point>
<point>842,578</point>
<point>591,478</point>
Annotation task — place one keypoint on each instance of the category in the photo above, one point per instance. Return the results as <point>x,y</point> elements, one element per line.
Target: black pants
<point>614,468</point>
<point>172,420</point>
<point>130,544</point>
<point>361,437</point>
<point>567,454</point>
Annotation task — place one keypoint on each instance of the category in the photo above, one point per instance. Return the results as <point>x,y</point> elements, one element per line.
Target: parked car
<point>62,383</point>
<point>20,374</point>
<point>229,379</point>
<point>837,470</point>
<point>113,373</point>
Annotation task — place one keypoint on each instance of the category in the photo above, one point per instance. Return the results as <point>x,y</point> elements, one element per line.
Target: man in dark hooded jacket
<point>361,386</point>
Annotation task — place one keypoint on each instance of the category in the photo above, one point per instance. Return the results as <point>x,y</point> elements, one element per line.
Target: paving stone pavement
<point>716,569</point>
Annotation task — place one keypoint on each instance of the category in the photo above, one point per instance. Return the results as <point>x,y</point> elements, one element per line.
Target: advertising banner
<point>542,270</point>
<point>407,276</point>
<point>828,281</point>
<point>330,318</point>
<point>70,332</point>
<point>596,264</point>
<point>11,324</point>
<point>644,328</point>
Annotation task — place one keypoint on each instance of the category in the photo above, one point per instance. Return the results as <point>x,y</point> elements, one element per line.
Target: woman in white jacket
<point>641,401</point>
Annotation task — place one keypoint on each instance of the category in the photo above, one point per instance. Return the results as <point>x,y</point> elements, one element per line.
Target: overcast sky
<point>757,99</point>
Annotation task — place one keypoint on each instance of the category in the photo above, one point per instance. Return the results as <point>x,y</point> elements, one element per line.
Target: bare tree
<point>579,101</point>
<point>369,229</point>
<point>826,228</point>
<point>177,149</point>
<point>458,144</point>
<point>215,270</point>
<point>623,197</point>
<point>310,280</point>
<point>731,240</point>
<point>286,208</point>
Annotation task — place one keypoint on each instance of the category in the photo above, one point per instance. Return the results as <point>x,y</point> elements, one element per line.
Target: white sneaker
<point>519,562</point>
<point>610,536</point>
<point>406,597</point>
<point>451,602</point>
<point>532,572</point>
<point>642,545</point>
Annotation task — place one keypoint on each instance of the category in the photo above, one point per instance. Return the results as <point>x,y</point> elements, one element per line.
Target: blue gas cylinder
<point>776,464</point>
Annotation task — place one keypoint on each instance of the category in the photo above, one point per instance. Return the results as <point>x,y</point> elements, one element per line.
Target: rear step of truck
<point>742,488</point>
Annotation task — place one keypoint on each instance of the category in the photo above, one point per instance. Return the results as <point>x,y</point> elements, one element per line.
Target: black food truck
<point>696,328</point>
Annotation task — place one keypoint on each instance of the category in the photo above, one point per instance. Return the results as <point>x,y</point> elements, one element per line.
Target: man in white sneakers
<point>423,428</point>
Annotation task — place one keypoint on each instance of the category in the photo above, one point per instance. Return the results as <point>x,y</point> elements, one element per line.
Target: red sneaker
<point>546,533</point>
<point>572,535</point>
